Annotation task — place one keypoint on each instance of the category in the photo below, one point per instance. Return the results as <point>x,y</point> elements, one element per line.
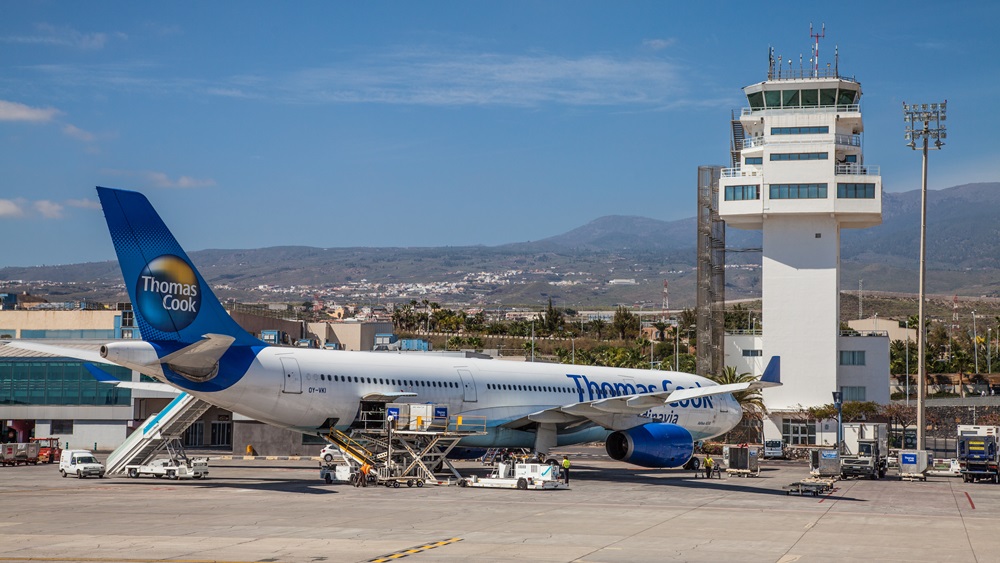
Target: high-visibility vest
<point>566,464</point>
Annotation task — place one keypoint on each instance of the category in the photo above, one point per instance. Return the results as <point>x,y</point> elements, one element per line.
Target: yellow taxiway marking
<point>412,550</point>
<point>117,560</point>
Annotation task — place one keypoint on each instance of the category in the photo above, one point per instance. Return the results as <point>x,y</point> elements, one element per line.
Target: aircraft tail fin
<point>772,373</point>
<point>171,300</point>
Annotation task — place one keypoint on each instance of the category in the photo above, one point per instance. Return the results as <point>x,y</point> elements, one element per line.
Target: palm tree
<point>661,330</point>
<point>752,402</point>
<point>598,326</point>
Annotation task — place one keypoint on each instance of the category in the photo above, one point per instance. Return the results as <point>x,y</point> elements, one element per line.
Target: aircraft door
<point>468,385</point>
<point>293,379</point>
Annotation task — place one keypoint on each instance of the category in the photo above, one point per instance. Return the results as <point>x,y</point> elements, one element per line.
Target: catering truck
<point>865,450</point>
<point>978,453</point>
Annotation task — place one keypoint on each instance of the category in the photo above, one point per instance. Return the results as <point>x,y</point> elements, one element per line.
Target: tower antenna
<point>815,57</point>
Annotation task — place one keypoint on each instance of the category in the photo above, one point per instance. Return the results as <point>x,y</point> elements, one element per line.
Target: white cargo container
<point>421,416</point>
<point>913,464</point>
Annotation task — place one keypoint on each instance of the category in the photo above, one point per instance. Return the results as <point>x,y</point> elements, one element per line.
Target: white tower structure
<point>799,175</point>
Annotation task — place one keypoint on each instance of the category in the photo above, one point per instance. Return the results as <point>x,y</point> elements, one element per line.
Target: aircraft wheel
<point>522,483</point>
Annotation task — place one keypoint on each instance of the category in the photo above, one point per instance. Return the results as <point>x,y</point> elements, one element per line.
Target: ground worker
<point>709,465</point>
<point>565,468</point>
<point>362,479</point>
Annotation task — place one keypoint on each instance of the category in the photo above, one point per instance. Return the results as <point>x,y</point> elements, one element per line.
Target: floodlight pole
<point>914,114</point>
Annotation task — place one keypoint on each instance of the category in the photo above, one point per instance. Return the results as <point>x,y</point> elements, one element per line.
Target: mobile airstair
<point>160,431</point>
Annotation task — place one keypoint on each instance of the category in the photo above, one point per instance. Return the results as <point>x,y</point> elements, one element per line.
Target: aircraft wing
<point>640,402</point>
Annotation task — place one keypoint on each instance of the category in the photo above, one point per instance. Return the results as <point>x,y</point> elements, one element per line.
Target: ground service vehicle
<point>15,454</point>
<point>978,455</point>
<point>774,449</point>
<point>522,476</point>
<point>867,450</point>
<point>49,450</point>
<point>81,463</point>
<point>171,469</point>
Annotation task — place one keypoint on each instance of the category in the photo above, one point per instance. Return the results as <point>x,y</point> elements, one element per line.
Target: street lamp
<point>838,401</point>
<point>989,361</point>
<point>918,119</point>
<point>907,361</point>
<point>975,341</point>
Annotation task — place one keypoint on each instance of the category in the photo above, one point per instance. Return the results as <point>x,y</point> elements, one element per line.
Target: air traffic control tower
<point>799,175</point>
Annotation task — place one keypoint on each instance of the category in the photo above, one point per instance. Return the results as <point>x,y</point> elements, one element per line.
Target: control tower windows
<point>799,156</point>
<point>798,191</point>
<point>739,193</point>
<point>856,191</point>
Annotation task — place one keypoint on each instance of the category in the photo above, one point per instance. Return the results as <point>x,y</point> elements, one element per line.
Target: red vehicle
<point>49,450</point>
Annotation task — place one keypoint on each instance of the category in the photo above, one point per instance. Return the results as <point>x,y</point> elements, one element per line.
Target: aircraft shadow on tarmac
<point>290,485</point>
<point>684,479</point>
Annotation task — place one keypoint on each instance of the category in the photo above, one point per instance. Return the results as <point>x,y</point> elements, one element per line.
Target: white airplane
<point>648,418</point>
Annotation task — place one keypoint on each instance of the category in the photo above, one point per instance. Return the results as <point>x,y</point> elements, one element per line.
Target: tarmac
<point>280,511</point>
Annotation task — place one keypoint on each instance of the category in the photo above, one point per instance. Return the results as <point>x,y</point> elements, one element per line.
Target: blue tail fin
<point>772,373</point>
<point>172,302</point>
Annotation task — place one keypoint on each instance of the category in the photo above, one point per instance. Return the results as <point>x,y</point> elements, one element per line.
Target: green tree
<point>751,401</point>
<point>598,326</point>
<point>551,321</point>
<point>625,323</point>
<point>661,330</point>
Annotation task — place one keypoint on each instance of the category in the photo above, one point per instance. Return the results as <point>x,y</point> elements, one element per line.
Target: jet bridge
<point>160,431</point>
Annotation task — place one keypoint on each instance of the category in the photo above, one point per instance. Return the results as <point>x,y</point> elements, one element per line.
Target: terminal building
<point>799,175</point>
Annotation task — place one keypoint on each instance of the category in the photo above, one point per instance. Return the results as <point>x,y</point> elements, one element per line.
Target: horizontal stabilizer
<point>104,377</point>
<point>60,351</point>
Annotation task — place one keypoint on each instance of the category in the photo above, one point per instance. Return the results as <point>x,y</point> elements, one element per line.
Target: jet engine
<point>651,445</point>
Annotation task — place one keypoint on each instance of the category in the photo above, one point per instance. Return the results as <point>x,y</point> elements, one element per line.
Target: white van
<point>774,449</point>
<point>81,463</point>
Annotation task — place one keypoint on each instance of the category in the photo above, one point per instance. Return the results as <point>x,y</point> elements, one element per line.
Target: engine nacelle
<point>651,445</point>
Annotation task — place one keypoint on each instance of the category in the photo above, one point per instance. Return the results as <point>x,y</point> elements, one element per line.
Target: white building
<point>801,177</point>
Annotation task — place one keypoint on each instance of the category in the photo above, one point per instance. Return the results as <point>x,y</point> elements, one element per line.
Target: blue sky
<point>328,124</point>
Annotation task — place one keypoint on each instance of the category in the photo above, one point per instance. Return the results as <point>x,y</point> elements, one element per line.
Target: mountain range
<point>574,267</point>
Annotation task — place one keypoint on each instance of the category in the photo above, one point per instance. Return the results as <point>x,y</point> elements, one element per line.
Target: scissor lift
<point>400,447</point>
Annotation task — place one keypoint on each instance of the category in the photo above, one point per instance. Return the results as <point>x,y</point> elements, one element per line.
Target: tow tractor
<point>518,475</point>
<point>171,469</point>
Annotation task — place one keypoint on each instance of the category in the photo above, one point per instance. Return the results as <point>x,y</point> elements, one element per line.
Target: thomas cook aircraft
<point>648,418</point>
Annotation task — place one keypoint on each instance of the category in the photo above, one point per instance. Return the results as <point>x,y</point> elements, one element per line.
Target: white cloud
<point>13,111</point>
<point>423,78</point>
<point>658,44</point>
<point>64,36</point>
<point>9,208</point>
<point>419,77</point>
<point>83,203</point>
<point>49,209</point>
<point>79,134</point>
<point>161,180</point>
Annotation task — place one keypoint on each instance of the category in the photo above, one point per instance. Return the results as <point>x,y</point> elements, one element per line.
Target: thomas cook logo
<point>168,294</point>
